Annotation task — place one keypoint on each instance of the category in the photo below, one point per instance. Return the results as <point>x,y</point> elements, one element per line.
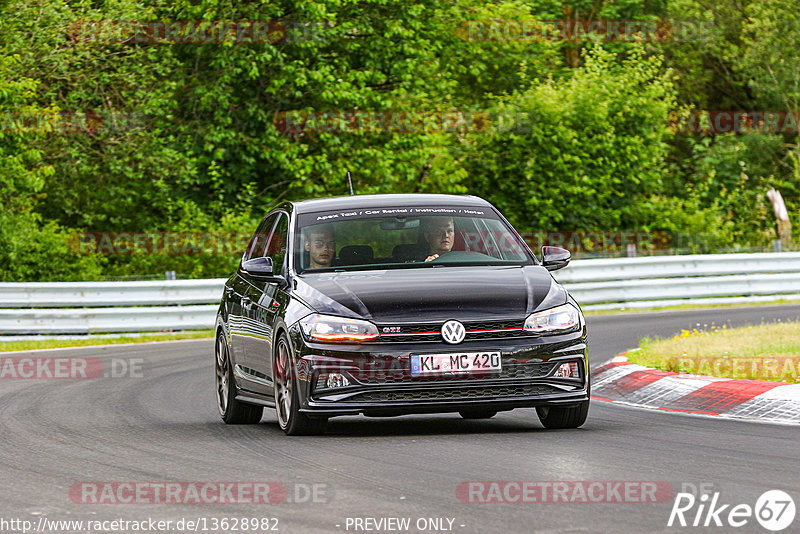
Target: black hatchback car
<point>387,305</point>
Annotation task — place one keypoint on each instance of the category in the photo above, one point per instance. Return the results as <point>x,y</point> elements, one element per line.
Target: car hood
<point>432,294</point>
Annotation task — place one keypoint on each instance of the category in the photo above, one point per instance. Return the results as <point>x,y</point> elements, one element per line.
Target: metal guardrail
<point>95,307</point>
<point>655,289</point>
<point>654,281</point>
<point>95,320</point>
<point>678,266</point>
<point>89,294</point>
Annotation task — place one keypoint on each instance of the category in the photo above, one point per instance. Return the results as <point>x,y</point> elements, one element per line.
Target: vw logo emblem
<point>453,332</point>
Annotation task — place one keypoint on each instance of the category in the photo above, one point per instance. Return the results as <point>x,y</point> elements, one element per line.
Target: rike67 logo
<point>774,510</point>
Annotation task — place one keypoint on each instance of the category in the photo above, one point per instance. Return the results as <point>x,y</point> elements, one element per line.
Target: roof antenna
<point>350,181</point>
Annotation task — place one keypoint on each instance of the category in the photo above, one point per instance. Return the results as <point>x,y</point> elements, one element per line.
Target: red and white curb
<point>623,382</point>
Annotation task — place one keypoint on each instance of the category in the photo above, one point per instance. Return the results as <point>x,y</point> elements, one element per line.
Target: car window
<point>351,241</point>
<point>258,243</point>
<point>276,247</point>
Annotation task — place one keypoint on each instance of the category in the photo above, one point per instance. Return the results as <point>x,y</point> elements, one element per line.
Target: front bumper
<point>381,382</point>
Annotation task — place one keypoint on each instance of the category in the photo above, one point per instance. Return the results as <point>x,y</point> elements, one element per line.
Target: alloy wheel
<point>222,375</point>
<point>283,384</point>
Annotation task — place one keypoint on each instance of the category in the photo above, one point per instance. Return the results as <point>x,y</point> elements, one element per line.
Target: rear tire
<point>231,411</point>
<point>477,413</point>
<point>287,403</point>
<point>563,416</point>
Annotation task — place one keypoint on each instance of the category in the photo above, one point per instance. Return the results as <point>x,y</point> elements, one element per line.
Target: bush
<point>32,251</point>
<point>581,153</point>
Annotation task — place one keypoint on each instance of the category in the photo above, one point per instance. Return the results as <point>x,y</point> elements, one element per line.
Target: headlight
<point>329,329</point>
<point>558,319</point>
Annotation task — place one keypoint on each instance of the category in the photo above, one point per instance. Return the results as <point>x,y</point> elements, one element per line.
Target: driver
<point>321,246</point>
<point>439,234</point>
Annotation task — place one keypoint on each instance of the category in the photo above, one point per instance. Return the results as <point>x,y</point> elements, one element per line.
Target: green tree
<point>29,250</point>
<point>581,153</point>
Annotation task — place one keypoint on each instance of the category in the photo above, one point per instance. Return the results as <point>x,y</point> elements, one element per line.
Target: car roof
<point>386,201</point>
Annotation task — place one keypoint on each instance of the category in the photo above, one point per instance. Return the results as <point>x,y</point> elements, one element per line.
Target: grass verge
<point>764,352</point>
<point>34,344</point>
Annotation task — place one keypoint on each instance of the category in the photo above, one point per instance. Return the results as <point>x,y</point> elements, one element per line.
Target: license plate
<point>455,363</point>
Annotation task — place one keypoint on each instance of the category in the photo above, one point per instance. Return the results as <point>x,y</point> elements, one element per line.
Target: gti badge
<point>453,332</point>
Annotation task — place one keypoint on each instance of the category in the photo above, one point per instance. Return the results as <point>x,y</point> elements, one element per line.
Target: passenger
<point>321,246</point>
<point>439,234</point>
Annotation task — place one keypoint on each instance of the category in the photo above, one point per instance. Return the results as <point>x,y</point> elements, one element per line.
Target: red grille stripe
<point>493,330</point>
<point>468,332</point>
<point>411,334</point>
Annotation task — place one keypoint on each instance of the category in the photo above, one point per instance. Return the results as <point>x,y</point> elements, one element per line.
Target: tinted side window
<point>258,243</point>
<point>276,249</point>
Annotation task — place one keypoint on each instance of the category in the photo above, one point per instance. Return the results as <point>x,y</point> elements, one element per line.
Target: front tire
<point>231,411</point>
<point>287,403</point>
<point>563,416</point>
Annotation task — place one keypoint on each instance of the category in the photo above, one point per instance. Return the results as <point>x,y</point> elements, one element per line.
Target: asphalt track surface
<point>163,427</point>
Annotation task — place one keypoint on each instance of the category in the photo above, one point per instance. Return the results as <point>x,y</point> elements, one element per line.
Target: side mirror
<point>260,269</point>
<point>554,258</point>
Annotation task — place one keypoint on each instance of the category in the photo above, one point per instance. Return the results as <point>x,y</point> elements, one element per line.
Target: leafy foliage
<point>183,137</point>
<point>590,147</point>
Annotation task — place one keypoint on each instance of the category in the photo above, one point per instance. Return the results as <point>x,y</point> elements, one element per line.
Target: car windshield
<point>405,238</point>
